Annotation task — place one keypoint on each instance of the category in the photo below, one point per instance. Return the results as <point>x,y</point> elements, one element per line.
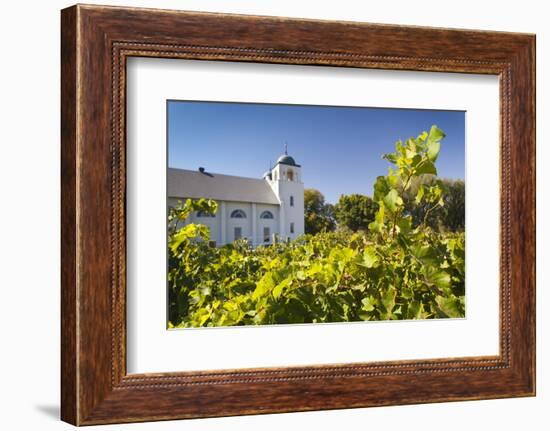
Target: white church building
<point>253,208</point>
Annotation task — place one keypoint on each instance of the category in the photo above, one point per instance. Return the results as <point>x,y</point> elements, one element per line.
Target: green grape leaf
<point>433,150</point>
<point>426,167</point>
<point>451,306</point>
<point>436,134</point>
<point>368,304</point>
<point>277,290</point>
<point>370,258</point>
<point>392,201</point>
<point>265,285</point>
<point>388,298</point>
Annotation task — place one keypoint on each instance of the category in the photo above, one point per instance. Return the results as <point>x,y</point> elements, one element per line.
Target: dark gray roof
<point>183,183</point>
<point>285,159</point>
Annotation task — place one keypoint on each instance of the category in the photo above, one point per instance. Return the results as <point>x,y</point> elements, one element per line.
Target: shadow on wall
<point>52,411</point>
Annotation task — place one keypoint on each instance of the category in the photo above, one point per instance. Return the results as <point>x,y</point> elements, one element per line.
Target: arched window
<point>290,175</point>
<point>238,214</point>
<point>291,201</point>
<point>205,214</point>
<point>266,214</point>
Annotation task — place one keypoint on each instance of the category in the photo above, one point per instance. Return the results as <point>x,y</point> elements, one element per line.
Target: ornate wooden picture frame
<point>96,41</point>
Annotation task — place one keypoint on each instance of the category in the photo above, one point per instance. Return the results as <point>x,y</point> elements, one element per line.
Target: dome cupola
<point>285,159</point>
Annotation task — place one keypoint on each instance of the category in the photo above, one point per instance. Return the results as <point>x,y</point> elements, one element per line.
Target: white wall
<point>295,213</point>
<point>215,223</point>
<point>272,224</point>
<point>244,223</point>
<point>285,189</point>
<point>29,229</point>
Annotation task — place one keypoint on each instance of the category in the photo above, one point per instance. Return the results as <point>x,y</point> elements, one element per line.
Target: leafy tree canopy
<point>318,215</point>
<point>355,211</point>
<point>448,217</point>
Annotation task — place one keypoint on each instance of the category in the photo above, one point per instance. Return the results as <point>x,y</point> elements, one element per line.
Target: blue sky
<point>339,148</point>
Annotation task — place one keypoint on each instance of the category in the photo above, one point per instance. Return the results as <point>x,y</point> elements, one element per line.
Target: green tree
<point>318,215</point>
<point>355,211</point>
<point>450,216</point>
<point>455,206</point>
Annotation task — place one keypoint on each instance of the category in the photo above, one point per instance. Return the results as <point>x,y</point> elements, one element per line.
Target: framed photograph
<point>264,215</point>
